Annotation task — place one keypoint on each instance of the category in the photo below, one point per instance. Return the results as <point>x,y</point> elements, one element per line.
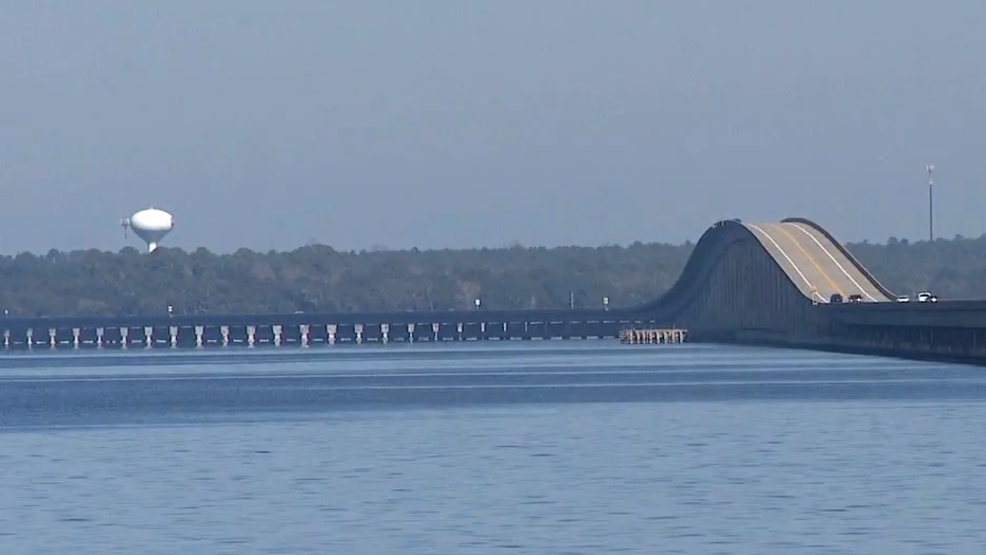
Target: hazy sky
<point>272,123</point>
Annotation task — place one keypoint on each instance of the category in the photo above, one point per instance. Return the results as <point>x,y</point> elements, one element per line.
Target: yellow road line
<point>780,227</point>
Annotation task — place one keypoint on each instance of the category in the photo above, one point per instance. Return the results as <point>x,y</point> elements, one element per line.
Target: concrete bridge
<point>771,284</point>
<point>764,283</point>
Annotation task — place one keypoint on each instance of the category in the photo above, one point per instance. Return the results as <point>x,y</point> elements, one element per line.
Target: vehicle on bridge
<point>836,298</point>
<point>855,298</point>
<point>903,299</point>
<point>927,297</point>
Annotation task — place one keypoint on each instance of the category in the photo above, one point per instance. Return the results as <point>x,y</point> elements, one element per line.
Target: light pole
<point>931,202</point>
<point>478,302</point>
<point>605,303</point>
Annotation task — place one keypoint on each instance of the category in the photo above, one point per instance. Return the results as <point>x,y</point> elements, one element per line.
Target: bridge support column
<point>251,335</point>
<point>482,330</point>
<point>52,338</point>
<point>385,333</point>
<point>504,335</point>
<point>331,329</point>
<point>100,332</point>
<point>277,330</point>
<point>6,339</point>
<point>148,337</point>
<point>76,333</point>
<point>359,333</point>
<point>434,330</point>
<point>224,332</point>
<point>410,333</point>
<point>173,336</point>
<point>304,334</point>
<point>199,333</point>
<point>29,336</point>
<point>458,329</point>
<point>124,337</point>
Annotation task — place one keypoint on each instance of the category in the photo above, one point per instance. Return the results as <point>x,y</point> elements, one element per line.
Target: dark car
<point>855,298</point>
<point>835,298</point>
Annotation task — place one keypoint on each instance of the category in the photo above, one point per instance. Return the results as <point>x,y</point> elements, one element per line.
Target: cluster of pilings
<point>653,336</point>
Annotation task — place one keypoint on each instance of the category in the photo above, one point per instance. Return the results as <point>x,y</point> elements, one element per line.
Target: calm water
<point>541,449</point>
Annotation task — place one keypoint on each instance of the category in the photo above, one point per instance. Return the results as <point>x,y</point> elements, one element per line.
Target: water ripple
<point>883,465</point>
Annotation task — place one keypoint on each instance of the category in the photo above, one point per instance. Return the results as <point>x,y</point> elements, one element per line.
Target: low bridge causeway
<point>764,283</point>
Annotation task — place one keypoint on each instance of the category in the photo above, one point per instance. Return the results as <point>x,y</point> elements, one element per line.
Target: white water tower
<point>151,225</point>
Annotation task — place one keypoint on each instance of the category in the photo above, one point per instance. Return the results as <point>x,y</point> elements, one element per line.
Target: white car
<point>926,296</point>
<point>903,299</point>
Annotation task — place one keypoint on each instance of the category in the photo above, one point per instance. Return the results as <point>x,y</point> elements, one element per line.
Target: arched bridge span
<point>764,276</point>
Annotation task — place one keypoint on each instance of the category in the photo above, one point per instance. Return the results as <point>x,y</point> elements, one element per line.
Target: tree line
<point>317,278</point>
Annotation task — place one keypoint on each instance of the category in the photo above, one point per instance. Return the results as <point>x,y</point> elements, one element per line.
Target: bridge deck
<point>813,262</point>
<point>850,278</point>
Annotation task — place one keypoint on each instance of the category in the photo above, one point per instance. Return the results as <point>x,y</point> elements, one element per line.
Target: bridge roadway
<point>814,262</point>
<point>764,283</point>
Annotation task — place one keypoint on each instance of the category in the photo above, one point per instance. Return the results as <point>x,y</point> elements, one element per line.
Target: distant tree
<point>316,277</point>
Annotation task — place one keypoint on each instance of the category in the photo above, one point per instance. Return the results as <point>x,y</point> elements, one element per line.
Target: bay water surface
<point>542,448</point>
